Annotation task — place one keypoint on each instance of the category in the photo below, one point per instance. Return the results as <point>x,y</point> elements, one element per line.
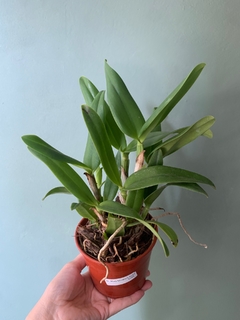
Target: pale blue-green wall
<point>44,47</point>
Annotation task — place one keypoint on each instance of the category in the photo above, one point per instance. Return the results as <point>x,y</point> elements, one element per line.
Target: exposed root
<point>132,251</point>
<point>116,252</point>
<point>159,208</point>
<point>106,246</point>
<point>182,226</point>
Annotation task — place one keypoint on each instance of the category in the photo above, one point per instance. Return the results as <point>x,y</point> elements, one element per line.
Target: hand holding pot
<point>71,295</point>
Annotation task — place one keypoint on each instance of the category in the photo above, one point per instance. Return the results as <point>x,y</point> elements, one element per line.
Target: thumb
<point>78,262</point>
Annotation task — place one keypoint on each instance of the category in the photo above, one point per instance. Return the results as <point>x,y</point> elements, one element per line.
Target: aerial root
<point>182,226</point>
<point>106,245</point>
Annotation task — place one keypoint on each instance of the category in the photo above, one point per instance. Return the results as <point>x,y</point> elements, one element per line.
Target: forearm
<point>41,311</point>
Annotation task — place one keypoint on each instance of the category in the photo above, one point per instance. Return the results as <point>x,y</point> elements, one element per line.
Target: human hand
<point>73,296</point>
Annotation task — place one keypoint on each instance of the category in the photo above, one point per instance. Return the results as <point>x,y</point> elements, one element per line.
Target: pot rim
<point>154,239</point>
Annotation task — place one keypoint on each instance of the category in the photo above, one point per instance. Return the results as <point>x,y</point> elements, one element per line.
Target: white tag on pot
<point>119,281</point>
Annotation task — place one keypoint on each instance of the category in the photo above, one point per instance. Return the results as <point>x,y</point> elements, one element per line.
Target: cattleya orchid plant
<point>114,198</point>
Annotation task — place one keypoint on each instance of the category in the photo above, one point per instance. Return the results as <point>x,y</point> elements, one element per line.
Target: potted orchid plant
<point>117,232</point>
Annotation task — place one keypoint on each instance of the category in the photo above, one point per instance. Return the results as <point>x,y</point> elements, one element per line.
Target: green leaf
<point>98,177</point>
<point>100,139</point>
<point>118,209</point>
<point>56,190</point>
<point>91,157</point>
<point>156,193</point>
<point>148,201</point>
<point>155,175</point>
<point>122,105</point>
<point>187,136</point>
<point>69,178</point>
<point>135,199</point>
<point>113,224</point>
<point>208,134</point>
<point>191,187</point>
<point>41,147</point>
<point>116,137</point>
<point>156,158</point>
<point>168,231</point>
<point>169,103</point>
<point>84,211</point>
<point>124,211</point>
<point>155,137</point>
<point>148,225</point>
<point>131,147</point>
<point>88,89</point>
<point>110,189</point>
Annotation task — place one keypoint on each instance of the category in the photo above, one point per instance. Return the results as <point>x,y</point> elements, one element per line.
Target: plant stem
<point>93,185</point>
<point>125,163</point>
<point>139,147</point>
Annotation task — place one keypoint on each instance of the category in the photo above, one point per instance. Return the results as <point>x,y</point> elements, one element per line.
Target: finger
<point>79,262</point>
<point>147,285</point>
<point>148,273</point>
<point>122,303</point>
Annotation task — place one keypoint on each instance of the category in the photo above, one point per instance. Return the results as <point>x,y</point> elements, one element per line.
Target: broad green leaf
<point>132,146</point>
<point>96,101</point>
<point>155,137</point>
<point>69,178</point>
<point>169,103</point>
<point>148,225</point>
<point>168,231</point>
<point>122,105</point>
<point>155,175</point>
<point>113,224</point>
<point>165,248</point>
<point>88,89</point>
<point>110,189</point>
<point>56,190</point>
<point>156,158</point>
<point>190,134</point>
<point>100,139</point>
<point>84,211</point>
<point>91,157</point>
<point>148,201</point>
<point>41,147</point>
<point>118,209</point>
<point>98,177</point>
<point>115,135</point>
<point>208,134</point>
<point>191,187</point>
<point>150,150</point>
<point>135,199</point>
<point>124,211</point>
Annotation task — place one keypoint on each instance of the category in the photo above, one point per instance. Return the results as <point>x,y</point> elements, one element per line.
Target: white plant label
<point>119,281</point>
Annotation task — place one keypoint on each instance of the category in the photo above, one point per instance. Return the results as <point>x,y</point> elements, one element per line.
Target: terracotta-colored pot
<point>124,278</point>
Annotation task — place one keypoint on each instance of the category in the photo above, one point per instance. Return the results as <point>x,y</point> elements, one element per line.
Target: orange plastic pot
<point>124,278</point>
